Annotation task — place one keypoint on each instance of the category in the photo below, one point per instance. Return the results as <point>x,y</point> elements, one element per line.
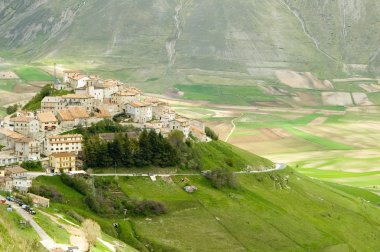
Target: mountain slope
<point>244,37</point>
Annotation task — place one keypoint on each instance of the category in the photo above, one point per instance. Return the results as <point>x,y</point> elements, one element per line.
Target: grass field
<point>259,215</point>
<point>8,85</point>
<point>15,237</point>
<point>28,73</point>
<point>57,233</point>
<point>237,95</point>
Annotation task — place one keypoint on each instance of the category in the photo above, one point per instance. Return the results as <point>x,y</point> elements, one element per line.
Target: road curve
<point>278,167</point>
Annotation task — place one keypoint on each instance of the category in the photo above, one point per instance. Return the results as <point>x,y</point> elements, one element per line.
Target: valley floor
<point>333,145</point>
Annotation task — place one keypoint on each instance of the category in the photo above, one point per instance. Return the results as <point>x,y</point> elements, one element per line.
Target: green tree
<point>222,178</point>
<point>11,109</point>
<point>176,138</point>
<point>211,134</point>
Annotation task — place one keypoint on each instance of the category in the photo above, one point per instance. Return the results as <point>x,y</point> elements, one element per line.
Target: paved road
<point>46,240</point>
<point>278,167</point>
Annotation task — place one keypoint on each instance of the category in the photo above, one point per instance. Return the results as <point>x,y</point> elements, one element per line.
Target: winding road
<point>46,240</point>
<point>278,167</point>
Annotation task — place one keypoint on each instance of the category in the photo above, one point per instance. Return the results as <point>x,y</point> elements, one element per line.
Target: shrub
<point>78,183</point>
<point>147,207</point>
<point>75,216</point>
<point>222,178</point>
<point>92,232</point>
<point>47,192</point>
<point>11,109</point>
<point>211,134</point>
<point>32,165</point>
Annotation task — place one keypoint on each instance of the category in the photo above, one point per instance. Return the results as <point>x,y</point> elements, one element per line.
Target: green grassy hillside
<point>13,236</point>
<point>268,212</point>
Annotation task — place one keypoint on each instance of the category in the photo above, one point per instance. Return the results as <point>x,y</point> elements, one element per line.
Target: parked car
<point>3,201</point>
<point>8,198</point>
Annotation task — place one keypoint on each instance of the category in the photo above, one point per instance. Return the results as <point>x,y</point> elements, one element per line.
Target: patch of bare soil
<point>370,88</point>
<point>24,88</point>
<point>318,121</point>
<point>306,99</point>
<point>11,98</point>
<point>337,98</point>
<point>77,236</point>
<point>6,75</point>
<point>361,99</point>
<point>221,128</point>
<point>302,80</point>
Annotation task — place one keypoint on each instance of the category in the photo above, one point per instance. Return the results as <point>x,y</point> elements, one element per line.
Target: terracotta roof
<point>21,119</point>
<point>78,112</point>
<point>72,113</point>
<point>181,119</point>
<point>65,136</point>
<point>111,83</point>
<point>5,179</point>
<point>126,93</point>
<point>65,115</point>
<point>71,71</point>
<point>103,113</point>
<point>63,154</point>
<point>24,140</point>
<point>78,76</point>
<point>46,117</point>
<point>138,104</point>
<point>77,96</point>
<point>13,170</point>
<point>196,130</point>
<point>11,133</point>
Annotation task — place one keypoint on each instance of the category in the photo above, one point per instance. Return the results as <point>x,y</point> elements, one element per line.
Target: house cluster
<point>96,99</point>
<point>14,178</point>
<point>37,135</point>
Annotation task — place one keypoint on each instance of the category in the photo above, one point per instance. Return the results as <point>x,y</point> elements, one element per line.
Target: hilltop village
<point>40,135</point>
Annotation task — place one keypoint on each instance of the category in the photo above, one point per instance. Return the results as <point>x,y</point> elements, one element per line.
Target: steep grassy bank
<point>13,236</point>
<point>278,211</point>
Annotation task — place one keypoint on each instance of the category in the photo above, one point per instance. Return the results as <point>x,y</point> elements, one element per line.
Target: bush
<point>75,216</point>
<point>32,165</point>
<point>211,134</point>
<point>147,207</point>
<point>78,183</point>
<point>47,192</point>
<point>26,199</point>
<point>11,109</point>
<point>222,178</point>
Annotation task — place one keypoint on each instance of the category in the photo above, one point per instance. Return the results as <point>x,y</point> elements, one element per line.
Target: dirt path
<point>232,130</point>
<point>77,236</point>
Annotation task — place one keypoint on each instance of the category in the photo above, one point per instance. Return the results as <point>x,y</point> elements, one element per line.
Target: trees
<point>222,178</point>
<point>211,134</point>
<point>32,165</point>
<point>11,109</point>
<point>149,149</point>
<point>92,232</point>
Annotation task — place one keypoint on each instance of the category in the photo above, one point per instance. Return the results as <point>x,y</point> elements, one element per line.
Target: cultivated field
<point>18,84</point>
<point>332,145</point>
